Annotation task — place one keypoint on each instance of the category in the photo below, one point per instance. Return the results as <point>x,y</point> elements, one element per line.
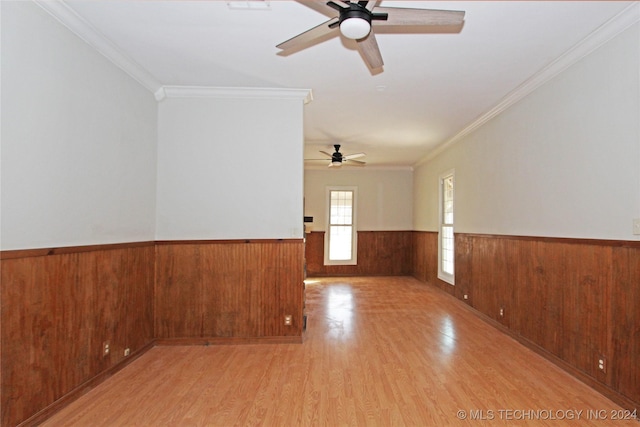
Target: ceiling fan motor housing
<point>337,156</point>
<point>354,20</point>
<point>355,11</point>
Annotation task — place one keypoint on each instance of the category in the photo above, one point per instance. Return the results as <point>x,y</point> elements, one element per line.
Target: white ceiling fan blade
<point>371,4</point>
<point>370,51</point>
<point>353,156</point>
<point>356,162</point>
<point>308,36</point>
<point>407,16</point>
<point>326,154</point>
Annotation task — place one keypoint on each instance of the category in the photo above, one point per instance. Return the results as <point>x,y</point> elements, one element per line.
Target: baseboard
<point>228,341</point>
<point>82,389</point>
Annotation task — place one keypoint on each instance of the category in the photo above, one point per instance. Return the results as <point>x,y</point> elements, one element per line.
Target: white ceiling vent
<point>249,5</point>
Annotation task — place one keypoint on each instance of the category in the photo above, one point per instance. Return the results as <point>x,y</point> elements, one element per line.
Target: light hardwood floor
<point>377,352</point>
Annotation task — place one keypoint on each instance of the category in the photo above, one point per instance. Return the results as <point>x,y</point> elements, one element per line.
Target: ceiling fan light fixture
<point>336,163</point>
<point>355,28</point>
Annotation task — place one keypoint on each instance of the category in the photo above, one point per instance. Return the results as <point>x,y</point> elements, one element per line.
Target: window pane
<point>340,242</point>
<point>447,249</point>
<point>447,200</point>
<point>341,225</point>
<point>341,209</point>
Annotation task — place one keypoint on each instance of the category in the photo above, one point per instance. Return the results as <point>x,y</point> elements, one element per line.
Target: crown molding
<point>305,95</point>
<point>601,35</point>
<point>88,33</point>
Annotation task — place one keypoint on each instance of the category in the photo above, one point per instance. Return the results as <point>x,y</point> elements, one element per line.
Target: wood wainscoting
<point>575,301</point>
<point>208,290</point>
<point>59,307</point>
<point>380,253</point>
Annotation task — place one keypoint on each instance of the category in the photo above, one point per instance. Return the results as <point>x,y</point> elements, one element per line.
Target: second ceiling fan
<point>337,159</point>
<point>357,19</point>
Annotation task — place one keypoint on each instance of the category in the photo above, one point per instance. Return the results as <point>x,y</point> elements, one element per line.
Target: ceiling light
<point>334,163</point>
<point>355,28</point>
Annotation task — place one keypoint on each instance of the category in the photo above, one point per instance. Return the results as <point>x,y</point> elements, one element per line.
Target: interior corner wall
<point>230,169</point>
<point>78,140</point>
<point>230,222</point>
<point>384,197</point>
<point>78,182</point>
<point>383,220</point>
<point>562,162</point>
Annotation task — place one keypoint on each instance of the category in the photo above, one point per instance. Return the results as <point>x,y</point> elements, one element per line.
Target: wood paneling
<point>491,277</point>
<point>585,305</point>
<point>575,300</point>
<point>425,262</point>
<point>60,305</point>
<point>228,289</point>
<point>58,309</point>
<point>624,313</point>
<point>380,253</point>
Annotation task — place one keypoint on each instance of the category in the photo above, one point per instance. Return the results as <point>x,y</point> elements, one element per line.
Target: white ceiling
<point>436,86</point>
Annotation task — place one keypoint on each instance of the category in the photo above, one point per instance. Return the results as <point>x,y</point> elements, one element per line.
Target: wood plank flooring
<point>385,351</point>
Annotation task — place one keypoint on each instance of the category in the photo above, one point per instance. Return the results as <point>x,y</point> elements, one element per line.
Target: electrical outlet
<point>106,349</point>
<point>636,226</point>
<point>602,364</point>
<point>465,297</point>
<point>127,352</point>
<point>288,320</point>
<point>501,311</point>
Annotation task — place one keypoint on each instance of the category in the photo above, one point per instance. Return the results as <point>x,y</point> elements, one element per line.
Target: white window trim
<point>442,275</point>
<point>354,237</point>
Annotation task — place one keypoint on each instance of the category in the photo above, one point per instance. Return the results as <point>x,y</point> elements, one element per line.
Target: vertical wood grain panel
<point>425,261</point>
<point>624,312</point>
<point>422,258</point>
<point>463,256</point>
<point>178,291</point>
<point>493,273</point>
<point>585,306</point>
<point>314,253</point>
<point>380,253</point>
<point>540,276</point>
<point>28,332</point>
<point>229,289</point>
<point>57,310</point>
<point>138,272</point>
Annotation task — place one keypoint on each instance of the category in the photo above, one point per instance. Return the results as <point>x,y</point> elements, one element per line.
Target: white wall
<point>78,140</point>
<point>230,169</point>
<point>563,162</point>
<point>384,196</point>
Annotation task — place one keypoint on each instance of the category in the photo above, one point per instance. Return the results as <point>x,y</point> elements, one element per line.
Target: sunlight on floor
<point>340,311</point>
<point>448,336</point>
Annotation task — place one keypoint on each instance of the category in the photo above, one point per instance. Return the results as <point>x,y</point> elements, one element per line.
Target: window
<point>340,238</point>
<point>445,241</point>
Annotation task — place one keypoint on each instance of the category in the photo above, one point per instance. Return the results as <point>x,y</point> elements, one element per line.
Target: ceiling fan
<point>337,158</point>
<point>357,19</point>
